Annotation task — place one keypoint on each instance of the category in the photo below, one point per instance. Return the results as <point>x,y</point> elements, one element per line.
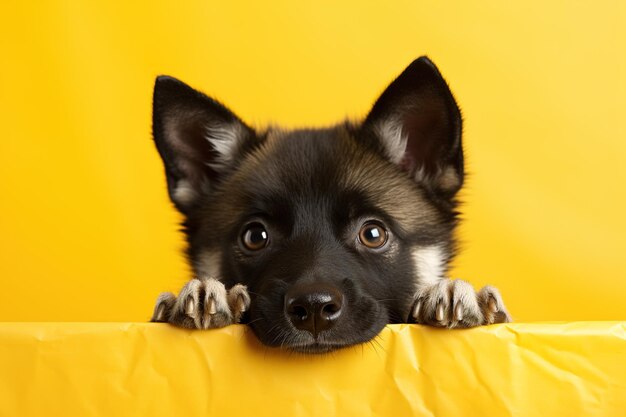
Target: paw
<point>202,304</point>
<point>238,301</point>
<point>454,303</point>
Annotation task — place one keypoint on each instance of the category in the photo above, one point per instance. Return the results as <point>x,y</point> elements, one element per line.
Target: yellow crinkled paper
<point>140,369</point>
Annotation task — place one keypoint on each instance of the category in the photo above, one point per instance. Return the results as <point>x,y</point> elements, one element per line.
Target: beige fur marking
<point>449,179</point>
<point>184,193</point>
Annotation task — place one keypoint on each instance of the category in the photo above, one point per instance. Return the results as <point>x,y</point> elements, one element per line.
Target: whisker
<point>255,320</point>
<point>376,340</point>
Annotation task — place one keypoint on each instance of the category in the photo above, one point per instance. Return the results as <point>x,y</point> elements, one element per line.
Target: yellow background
<point>86,229</point>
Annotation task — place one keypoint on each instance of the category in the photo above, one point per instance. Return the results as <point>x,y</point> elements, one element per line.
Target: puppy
<point>318,238</point>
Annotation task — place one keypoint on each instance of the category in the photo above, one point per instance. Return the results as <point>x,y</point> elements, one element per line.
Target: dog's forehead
<point>301,161</point>
<point>308,152</point>
<point>312,169</point>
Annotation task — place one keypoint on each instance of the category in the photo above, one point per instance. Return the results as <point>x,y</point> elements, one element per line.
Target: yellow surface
<point>128,369</point>
<point>86,228</point>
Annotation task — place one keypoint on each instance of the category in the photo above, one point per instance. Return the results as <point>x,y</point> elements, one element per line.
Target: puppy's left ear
<point>417,124</point>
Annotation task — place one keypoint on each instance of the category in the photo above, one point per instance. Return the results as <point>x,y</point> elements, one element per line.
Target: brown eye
<point>373,235</point>
<point>255,237</point>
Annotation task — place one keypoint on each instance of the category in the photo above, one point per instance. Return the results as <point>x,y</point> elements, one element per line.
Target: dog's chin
<point>316,348</point>
<point>299,341</point>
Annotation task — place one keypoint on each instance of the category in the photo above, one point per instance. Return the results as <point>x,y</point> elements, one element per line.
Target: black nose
<point>313,307</point>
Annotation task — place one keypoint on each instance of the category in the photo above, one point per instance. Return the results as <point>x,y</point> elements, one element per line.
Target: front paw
<point>455,303</point>
<point>202,304</point>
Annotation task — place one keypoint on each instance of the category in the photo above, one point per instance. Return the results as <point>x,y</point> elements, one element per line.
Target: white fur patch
<point>209,265</point>
<point>429,263</point>
<point>225,139</point>
<point>393,139</point>
<point>184,193</point>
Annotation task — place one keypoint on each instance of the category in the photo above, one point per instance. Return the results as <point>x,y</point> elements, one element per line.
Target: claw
<point>212,308</point>
<point>159,313</point>
<point>493,305</point>
<point>416,309</point>
<point>189,307</point>
<point>439,313</point>
<point>241,304</point>
<point>458,312</point>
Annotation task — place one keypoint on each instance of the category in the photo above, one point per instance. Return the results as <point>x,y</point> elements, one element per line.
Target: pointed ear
<point>198,139</point>
<point>417,124</point>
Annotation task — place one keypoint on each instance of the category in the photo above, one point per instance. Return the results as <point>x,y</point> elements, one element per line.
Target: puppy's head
<point>331,229</point>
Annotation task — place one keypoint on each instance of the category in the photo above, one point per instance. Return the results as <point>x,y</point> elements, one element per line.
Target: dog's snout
<point>313,308</point>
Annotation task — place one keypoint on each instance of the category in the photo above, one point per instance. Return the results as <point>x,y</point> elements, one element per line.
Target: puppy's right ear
<point>198,139</point>
<point>418,126</point>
